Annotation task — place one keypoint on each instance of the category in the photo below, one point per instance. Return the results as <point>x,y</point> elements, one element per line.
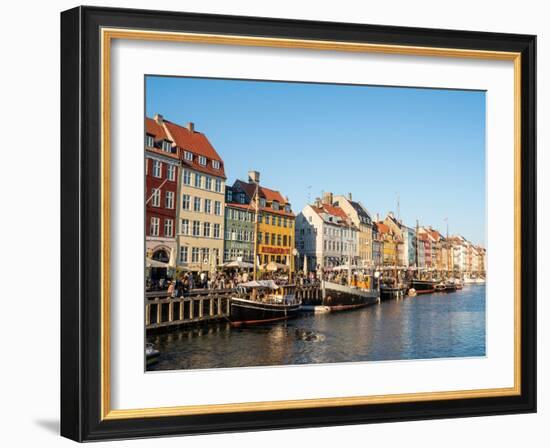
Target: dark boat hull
<point>423,286</point>
<point>340,298</point>
<point>249,312</point>
<point>392,293</point>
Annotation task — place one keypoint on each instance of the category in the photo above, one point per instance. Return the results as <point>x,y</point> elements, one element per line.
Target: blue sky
<point>426,146</point>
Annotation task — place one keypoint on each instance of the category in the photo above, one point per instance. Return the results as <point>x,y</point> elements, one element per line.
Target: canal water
<point>440,325</point>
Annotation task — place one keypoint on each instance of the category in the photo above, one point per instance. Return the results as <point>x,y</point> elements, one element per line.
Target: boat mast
<point>349,255</point>
<point>257,208</point>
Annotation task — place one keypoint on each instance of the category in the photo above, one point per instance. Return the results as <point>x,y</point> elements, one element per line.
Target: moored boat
<point>263,301</point>
<point>341,297</point>
<point>423,286</point>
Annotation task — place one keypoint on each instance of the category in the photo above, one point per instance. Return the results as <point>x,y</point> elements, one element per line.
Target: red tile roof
<point>192,141</point>
<point>153,128</point>
<point>268,194</point>
<point>383,228</point>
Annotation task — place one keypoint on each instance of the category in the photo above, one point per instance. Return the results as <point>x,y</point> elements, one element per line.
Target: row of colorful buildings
<point>195,220</point>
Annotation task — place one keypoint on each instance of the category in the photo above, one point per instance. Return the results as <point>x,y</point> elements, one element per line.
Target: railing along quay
<point>202,306</point>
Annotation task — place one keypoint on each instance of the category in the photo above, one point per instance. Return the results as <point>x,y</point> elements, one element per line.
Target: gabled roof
<point>158,133</point>
<point>334,211</point>
<point>268,194</point>
<point>192,141</point>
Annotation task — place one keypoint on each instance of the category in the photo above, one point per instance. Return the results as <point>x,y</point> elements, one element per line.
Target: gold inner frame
<point>107,35</point>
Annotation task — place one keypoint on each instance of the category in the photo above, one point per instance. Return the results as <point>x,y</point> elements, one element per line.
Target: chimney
<point>327,198</point>
<point>349,197</point>
<point>317,202</point>
<point>254,177</point>
<point>159,119</point>
<point>377,217</point>
<point>191,126</point>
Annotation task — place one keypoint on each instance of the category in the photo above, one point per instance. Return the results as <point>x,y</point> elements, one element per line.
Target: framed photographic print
<point>273,223</point>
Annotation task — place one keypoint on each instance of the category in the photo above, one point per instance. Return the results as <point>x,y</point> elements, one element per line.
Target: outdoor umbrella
<point>273,266</point>
<point>238,264</point>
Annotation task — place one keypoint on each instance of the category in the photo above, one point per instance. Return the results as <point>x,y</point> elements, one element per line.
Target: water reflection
<point>432,326</point>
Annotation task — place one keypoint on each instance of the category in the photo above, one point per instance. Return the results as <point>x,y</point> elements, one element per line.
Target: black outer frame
<point>81,220</point>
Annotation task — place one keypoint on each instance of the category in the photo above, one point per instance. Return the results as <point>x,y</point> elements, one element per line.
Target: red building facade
<point>162,165</point>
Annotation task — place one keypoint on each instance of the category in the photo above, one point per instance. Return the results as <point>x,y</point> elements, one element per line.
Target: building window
<point>287,208</point>
<point>155,198</point>
<point>188,156</point>
<point>187,177</point>
<point>196,228</point>
<point>205,254</point>
<point>149,141</point>
<point>208,183</point>
<point>215,164</point>
<point>279,240</point>
<point>183,254</point>
<point>185,201</point>
<point>275,205</point>
<point>157,168</point>
<point>206,229</point>
<point>218,208</point>
<point>195,255</point>
<point>218,186</point>
<point>166,146</point>
<point>155,224</point>
<point>241,198</point>
<point>202,160</point>
<point>169,201</point>
<point>262,202</point>
<point>284,240</point>
<point>266,238</point>
<point>184,227</point>
<point>169,227</point>
<point>267,219</point>
<point>260,237</point>
<point>207,206</point>
<point>171,172</point>
<point>197,204</point>
<point>273,239</point>
<point>198,180</point>
<point>216,230</point>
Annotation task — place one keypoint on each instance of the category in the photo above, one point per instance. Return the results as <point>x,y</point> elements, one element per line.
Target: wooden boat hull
<point>250,312</point>
<point>423,286</point>
<point>340,298</point>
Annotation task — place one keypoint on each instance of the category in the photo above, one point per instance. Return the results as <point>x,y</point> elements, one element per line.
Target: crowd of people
<point>230,279</point>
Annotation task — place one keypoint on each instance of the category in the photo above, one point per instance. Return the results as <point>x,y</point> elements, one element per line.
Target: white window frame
<point>217,230</point>
<point>206,229</point>
<point>168,227</point>
<point>202,160</point>
<point>155,197</point>
<point>208,206</point>
<point>217,208</point>
<point>183,258</point>
<point>186,178</point>
<point>188,156</point>
<point>216,164</point>
<point>171,173</point>
<point>218,187</point>
<point>198,181</point>
<point>154,226</point>
<point>186,200</point>
<point>184,226</point>
<point>157,168</point>
<point>169,200</point>
<point>149,141</point>
<point>197,201</point>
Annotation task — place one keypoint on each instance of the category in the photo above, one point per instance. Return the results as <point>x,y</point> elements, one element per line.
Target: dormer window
<point>275,205</point>
<point>149,141</point>
<point>166,146</point>
<point>188,156</point>
<point>202,160</point>
<point>215,164</point>
<point>287,208</point>
<point>262,202</point>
